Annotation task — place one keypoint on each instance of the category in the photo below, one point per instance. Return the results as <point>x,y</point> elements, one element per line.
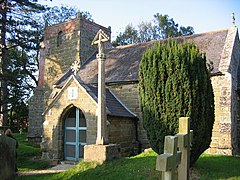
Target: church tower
<point>63,44</point>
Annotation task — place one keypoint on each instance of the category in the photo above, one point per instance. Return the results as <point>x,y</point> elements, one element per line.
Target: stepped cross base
<point>101,153</point>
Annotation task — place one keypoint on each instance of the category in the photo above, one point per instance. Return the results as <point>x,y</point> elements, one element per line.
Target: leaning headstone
<point>7,157</point>
<point>168,162</point>
<point>184,142</point>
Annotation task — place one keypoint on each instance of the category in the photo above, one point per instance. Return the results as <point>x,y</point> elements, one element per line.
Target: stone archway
<point>75,135</point>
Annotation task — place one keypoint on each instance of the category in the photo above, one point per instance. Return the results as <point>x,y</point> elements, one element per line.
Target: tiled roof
<point>122,63</point>
<point>114,105</point>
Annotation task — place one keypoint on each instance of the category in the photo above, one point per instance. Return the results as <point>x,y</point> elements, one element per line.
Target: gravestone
<point>167,163</point>
<point>7,157</point>
<point>184,142</point>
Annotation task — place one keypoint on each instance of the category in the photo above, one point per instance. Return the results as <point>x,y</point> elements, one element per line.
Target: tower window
<point>59,38</point>
<point>48,51</point>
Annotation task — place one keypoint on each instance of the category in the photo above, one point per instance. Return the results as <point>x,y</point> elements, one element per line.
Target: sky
<point>202,15</point>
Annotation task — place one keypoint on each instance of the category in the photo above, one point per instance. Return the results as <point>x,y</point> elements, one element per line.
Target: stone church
<point>63,110</point>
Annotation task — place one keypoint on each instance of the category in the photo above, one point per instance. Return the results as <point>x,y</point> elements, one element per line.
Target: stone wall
<point>36,108</point>
<point>54,120</point>
<point>77,35</point>
<point>88,31</point>
<point>225,134</point>
<point>221,134</point>
<point>123,131</point>
<point>235,106</point>
<point>128,94</point>
<point>59,57</point>
<point>234,66</point>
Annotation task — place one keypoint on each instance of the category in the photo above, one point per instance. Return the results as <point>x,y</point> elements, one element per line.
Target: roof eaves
<point>59,93</point>
<point>63,78</point>
<point>125,107</point>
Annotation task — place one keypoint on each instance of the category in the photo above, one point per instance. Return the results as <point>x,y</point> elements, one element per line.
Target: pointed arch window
<point>59,38</point>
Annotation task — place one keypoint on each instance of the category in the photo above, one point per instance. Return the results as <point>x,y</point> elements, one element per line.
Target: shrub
<point>173,82</point>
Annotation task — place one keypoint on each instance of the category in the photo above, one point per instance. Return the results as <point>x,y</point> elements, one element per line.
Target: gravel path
<point>56,169</point>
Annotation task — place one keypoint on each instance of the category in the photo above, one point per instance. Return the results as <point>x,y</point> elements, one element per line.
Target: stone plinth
<point>101,153</point>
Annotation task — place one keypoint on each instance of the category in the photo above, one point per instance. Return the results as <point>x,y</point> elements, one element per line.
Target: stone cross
<point>102,138</point>
<point>168,162</point>
<point>184,142</point>
<point>99,39</point>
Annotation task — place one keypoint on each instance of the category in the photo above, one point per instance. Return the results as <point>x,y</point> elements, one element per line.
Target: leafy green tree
<point>22,25</point>
<point>161,27</point>
<point>173,82</point>
<point>18,29</point>
<point>129,36</point>
<point>146,32</point>
<point>55,15</point>
<point>167,28</point>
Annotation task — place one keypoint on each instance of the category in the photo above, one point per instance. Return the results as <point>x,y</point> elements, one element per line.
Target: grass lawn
<point>208,167</point>
<point>28,155</point>
<point>218,167</point>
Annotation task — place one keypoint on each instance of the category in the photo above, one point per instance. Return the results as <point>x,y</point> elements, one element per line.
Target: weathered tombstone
<point>184,142</point>
<point>7,157</point>
<point>168,162</point>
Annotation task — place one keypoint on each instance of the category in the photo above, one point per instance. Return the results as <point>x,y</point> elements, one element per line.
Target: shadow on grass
<point>124,168</point>
<point>218,167</point>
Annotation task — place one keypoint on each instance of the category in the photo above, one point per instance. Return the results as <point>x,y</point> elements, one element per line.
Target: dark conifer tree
<point>18,29</point>
<point>173,82</point>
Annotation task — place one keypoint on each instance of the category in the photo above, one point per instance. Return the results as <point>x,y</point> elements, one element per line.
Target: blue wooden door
<point>75,135</point>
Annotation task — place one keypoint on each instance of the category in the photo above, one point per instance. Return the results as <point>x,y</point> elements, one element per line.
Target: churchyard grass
<point>28,155</point>
<point>218,167</point>
<point>142,166</point>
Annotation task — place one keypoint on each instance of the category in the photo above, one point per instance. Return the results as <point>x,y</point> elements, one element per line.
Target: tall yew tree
<point>173,82</point>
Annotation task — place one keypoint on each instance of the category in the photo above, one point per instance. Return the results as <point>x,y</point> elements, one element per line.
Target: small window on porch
<point>72,93</point>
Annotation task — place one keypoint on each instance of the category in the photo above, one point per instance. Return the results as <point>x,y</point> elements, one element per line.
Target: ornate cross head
<point>99,39</point>
<point>75,67</point>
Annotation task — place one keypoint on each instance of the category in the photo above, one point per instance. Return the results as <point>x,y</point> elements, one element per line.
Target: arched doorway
<point>75,135</point>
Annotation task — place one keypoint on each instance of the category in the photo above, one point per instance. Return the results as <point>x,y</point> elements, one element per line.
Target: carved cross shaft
<point>102,138</point>
<point>168,162</point>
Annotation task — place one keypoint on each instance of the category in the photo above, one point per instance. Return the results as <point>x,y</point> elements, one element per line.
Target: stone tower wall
<point>56,58</point>
<point>77,36</point>
<point>36,108</point>
<point>88,31</point>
